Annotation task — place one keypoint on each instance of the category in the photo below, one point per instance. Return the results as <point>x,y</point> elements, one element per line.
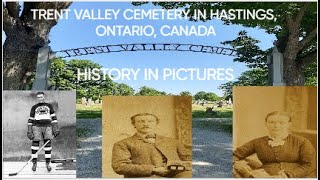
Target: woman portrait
<point>275,132</point>
<point>281,153</point>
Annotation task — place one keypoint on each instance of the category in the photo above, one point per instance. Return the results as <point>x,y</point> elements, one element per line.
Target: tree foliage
<point>252,77</point>
<point>311,75</point>
<point>148,91</point>
<point>185,93</point>
<point>64,76</point>
<point>259,77</point>
<point>61,75</point>
<point>200,95</point>
<point>123,90</point>
<point>248,50</point>
<point>208,96</point>
<point>294,25</point>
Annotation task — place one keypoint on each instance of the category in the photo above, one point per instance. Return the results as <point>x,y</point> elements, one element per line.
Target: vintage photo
<point>275,132</point>
<point>39,134</point>
<point>146,136</point>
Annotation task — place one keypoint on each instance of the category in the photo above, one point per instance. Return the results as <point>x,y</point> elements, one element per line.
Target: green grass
<point>92,111</point>
<point>198,111</point>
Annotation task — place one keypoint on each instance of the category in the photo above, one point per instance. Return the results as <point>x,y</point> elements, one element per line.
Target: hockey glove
<point>55,130</point>
<point>30,134</point>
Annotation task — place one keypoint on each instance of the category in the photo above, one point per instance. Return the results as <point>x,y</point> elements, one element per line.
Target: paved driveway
<point>89,149</point>
<point>212,148</point>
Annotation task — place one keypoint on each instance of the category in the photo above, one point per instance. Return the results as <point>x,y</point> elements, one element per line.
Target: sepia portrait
<point>275,132</point>
<point>146,136</point>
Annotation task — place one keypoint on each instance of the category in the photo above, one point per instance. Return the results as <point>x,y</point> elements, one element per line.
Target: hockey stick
<point>14,174</point>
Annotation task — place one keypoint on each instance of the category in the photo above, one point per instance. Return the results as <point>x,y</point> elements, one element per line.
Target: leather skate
<point>34,166</point>
<point>48,167</point>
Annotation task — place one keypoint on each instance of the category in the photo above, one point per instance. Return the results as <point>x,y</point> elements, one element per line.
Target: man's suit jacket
<point>131,157</point>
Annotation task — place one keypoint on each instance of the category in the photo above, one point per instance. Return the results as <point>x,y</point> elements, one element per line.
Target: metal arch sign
<point>144,47</point>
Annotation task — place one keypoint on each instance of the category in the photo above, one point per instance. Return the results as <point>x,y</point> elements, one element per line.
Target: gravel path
<point>212,150</point>
<point>89,151</point>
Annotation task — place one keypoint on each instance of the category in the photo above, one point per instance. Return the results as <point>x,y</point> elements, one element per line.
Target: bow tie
<point>150,136</point>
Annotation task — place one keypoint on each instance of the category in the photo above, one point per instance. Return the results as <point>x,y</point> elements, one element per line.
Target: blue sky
<point>73,33</point>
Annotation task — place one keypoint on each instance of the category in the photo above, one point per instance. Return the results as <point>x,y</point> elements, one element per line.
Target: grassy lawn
<point>198,111</point>
<point>92,111</point>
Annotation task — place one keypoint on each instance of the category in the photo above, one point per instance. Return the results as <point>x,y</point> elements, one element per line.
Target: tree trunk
<point>20,52</point>
<point>24,37</point>
<point>19,61</point>
<point>293,72</point>
<point>293,66</point>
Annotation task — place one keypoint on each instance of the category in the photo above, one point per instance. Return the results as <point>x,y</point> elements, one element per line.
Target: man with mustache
<point>147,154</point>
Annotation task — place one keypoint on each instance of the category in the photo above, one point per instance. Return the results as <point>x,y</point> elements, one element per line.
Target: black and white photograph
<point>275,132</point>
<point>146,136</point>
<point>39,134</point>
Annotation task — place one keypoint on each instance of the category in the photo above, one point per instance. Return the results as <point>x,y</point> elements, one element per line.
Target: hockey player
<point>42,125</point>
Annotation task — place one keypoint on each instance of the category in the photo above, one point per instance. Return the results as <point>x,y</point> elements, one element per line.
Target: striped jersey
<point>42,114</point>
